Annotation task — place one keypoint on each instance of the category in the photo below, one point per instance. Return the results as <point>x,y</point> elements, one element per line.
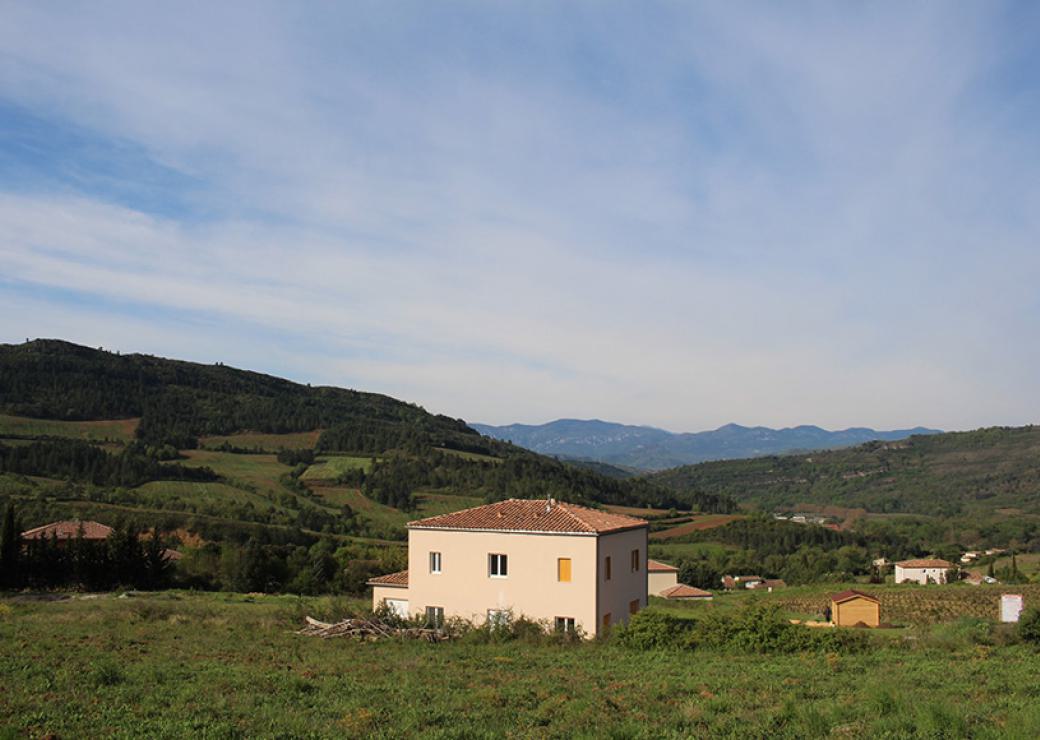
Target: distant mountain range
<point>649,448</point>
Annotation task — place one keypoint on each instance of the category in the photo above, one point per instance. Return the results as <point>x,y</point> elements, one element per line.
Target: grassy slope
<point>178,665</point>
<point>251,440</point>
<point>117,430</point>
<point>956,473</point>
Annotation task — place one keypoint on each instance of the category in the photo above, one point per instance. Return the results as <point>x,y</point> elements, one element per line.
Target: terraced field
<point>698,523</point>
<point>118,430</point>
<point>331,467</point>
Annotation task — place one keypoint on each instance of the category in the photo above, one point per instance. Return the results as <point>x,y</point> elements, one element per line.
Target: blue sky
<point>671,214</point>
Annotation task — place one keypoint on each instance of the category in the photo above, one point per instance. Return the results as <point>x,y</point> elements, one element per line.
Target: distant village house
<point>930,570</point>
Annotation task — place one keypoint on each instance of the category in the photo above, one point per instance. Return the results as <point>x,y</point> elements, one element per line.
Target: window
<point>606,621</point>
<point>435,562</point>
<point>607,568</point>
<point>498,566</point>
<point>435,616</point>
<point>564,624</point>
<point>635,560</point>
<point>497,618</point>
<point>633,606</point>
<point>563,570</point>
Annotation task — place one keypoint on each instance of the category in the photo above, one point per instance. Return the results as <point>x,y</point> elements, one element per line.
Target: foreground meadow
<point>177,664</point>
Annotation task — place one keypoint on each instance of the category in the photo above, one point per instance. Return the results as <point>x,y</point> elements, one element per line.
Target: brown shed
<point>850,608</point>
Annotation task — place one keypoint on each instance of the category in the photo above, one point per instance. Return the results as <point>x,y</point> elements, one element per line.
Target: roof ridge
<point>566,507</point>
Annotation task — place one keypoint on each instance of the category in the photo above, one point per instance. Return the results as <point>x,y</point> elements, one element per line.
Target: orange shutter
<point>563,570</point>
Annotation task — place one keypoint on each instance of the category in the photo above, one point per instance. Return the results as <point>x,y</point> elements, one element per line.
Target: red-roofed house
<point>682,592</point>
<point>929,570</point>
<point>64,531</point>
<point>661,576</point>
<point>69,530</point>
<point>569,564</point>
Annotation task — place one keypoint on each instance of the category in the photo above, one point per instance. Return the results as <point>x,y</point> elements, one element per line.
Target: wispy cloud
<point>517,213</point>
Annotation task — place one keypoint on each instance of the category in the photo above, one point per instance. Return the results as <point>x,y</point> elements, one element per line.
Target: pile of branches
<point>368,629</point>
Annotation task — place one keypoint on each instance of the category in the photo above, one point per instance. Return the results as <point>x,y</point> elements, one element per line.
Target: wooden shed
<point>850,608</point>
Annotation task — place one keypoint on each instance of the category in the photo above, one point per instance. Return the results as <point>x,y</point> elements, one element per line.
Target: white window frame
<point>565,624</point>
<point>435,616</point>
<point>435,563</point>
<point>498,565</point>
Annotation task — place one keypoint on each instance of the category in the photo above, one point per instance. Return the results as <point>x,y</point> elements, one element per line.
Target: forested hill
<point>179,401</point>
<point>959,473</point>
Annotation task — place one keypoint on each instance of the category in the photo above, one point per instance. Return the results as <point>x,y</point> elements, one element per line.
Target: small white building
<point>924,571</point>
<point>660,577</point>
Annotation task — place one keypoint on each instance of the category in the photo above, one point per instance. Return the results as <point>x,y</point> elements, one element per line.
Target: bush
<point>651,629</point>
<point>1029,626</point>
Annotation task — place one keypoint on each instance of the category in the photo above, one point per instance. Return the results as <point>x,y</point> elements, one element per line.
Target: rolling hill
<point>994,470</point>
<point>648,448</point>
<point>231,454</point>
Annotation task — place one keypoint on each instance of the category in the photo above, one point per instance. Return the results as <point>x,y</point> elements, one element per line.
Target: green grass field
<point>472,456</point>
<point>222,665</point>
<point>332,466</point>
<point>172,494</point>
<point>119,430</point>
<point>259,471</point>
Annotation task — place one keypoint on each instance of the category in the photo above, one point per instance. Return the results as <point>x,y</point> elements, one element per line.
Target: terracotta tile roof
<point>852,593</point>
<point>532,515</point>
<point>682,591</point>
<point>926,563</point>
<point>400,578</point>
<point>68,530</point>
<point>656,566</point>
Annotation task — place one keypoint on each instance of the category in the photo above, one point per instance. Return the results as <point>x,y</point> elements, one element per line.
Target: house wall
<point>920,575</point>
<point>465,589</point>
<point>380,593</point>
<point>658,582</point>
<point>854,611</point>
<point>625,585</point>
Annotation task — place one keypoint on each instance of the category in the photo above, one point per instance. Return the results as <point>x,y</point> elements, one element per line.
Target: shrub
<point>1029,626</point>
<point>650,629</point>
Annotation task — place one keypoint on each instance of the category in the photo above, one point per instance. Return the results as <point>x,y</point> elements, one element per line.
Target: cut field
<point>274,442</point>
<point>117,430</point>
<point>641,512</point>
<point>259,471</point>
<point>699,523</point>
<point>222,665</point>
<point>333,466</point>
<point>471,456</point>
<point>428,504</point>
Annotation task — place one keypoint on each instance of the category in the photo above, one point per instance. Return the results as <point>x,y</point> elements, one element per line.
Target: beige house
<point>567,564</point>
<point>923,571</point>
<point>661,577</point>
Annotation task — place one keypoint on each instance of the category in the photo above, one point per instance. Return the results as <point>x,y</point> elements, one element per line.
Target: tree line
<point>82,461</point>
<point>122,559</point>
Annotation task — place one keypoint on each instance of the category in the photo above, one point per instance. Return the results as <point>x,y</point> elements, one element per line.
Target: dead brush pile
<point>370,630</point>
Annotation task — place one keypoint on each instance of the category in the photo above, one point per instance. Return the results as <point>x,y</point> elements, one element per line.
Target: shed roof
<point>656,566</point>
<point>682,591</point>
<point>532,515</point>
<point>400,578</point>
<point>852,594</point>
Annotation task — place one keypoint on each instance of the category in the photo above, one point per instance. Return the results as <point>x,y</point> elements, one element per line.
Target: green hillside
<point>987,471</point>
<point>229,453</point>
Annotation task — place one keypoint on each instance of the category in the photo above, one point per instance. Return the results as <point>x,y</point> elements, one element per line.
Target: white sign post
<point>1010,607</point>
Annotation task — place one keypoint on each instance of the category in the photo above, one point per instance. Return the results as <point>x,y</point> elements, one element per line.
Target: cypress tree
<point>10,550</point>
